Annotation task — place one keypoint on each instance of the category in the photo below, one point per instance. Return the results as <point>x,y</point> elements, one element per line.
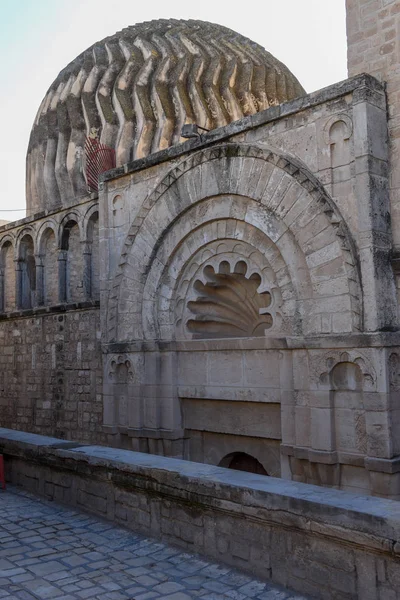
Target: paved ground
<point>51,552</point>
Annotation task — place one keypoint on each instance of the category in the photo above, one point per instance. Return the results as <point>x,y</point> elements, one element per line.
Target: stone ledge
<point>47,213</point>
<point>283,528</point>
<point>383,465</point>
<point>364,82</point>
<point>154,434</point>
<point>377,339</point>
<point>380,465</point>
<point>48,310</point>
<point>383,516</point>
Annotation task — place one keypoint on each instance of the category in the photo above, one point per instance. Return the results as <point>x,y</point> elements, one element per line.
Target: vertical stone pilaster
<point>18,284</point>
<point>39,280</point>
<point>2,292</point>
<point>62,276</point>
<point>87,269</point>
<point>371,156</point>
<point>373,46</point>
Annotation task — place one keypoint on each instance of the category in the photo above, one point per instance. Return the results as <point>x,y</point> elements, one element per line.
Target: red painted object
<point>2,475</point>
<point>99,158</point>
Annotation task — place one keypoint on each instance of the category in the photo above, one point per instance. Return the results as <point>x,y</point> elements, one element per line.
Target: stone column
<point>18,284</point>
<point>62,276</point>
<point>372,192</point>
<point>2,290</point>
<point>374,48</point>
<point>87,269</point>
<point>39,280</point>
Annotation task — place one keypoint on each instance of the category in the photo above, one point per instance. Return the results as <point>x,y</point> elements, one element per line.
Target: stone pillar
<point>18,284</point>
<point>374,48</point>
<point>87,269</point>
<point>2,292</point>
<point>39,280</point>
<point>371,155</point>
<point>62,276</point>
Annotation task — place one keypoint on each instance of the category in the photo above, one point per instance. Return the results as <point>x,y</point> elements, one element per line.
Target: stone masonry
<point>63,554</point>
<point>374,47</point>
<point>327,544</point>
<point>310,394</point>
<point>230,299</point>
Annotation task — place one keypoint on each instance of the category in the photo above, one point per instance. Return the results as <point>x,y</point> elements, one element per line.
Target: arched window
<point>8,278</point>
<point>73,268</point>
<point>49,253</point>
<point>27,273</point>
<point>94,266</point>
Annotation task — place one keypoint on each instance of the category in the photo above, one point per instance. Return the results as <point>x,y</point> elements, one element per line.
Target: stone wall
<point>330,545</point>
<point>50,354</point>
<point>246,282</point>
<point>50,258</point>
<point>50,374</point>
<point>374,47</point>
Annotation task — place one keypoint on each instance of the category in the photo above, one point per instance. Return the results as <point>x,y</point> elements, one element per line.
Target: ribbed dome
<point>138,87</point>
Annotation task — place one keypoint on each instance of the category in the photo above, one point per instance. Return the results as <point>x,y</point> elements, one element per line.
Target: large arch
<point>219,240</point>
<point>274,194</point>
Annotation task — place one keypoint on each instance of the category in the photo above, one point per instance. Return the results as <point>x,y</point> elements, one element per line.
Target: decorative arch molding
<point>25,231</point>
<point>120,365</point>
<point>279,185</point>
<point>7,239</point>
<point>221,240</point>
<point>341,119</point>
<point>49,225</point>
<point>70,217</point>
<point>87,218</point>
<point>322,369</point>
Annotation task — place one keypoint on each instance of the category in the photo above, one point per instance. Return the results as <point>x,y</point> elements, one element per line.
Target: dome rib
<point>137,88</point>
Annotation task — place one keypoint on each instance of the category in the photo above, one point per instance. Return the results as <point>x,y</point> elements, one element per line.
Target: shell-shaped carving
<point>138,88</point>
<point>229,305</point>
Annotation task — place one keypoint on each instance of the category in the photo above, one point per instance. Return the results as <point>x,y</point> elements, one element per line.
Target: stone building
<point>230,299</point>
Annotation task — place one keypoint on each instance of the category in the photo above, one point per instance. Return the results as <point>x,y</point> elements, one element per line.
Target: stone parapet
<point>325,543</point>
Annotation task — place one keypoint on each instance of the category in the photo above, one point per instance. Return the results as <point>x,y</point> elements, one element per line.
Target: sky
<point>38,38</point>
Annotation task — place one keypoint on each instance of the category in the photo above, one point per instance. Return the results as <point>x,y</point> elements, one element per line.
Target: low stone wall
<point>325,543</point>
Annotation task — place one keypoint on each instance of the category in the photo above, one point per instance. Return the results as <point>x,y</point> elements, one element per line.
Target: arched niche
<point>93,261</point>
<point>72,269</point>
<point>49,259</point>
<point>27,272</point>
<point>347,384</point>
<point>8,280</point>
<point>274,194</point>
<point>347,376</point>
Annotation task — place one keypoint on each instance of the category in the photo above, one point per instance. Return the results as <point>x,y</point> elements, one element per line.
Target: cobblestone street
<point>51,552</point>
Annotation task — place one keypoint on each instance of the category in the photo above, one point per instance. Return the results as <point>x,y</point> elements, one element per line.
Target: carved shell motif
<point>228,304</point>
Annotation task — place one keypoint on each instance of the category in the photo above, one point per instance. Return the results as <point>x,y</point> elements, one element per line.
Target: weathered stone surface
<point>248,312</point>
<point>82,556</point>
<point>139,87</point>
<point>317,541</point>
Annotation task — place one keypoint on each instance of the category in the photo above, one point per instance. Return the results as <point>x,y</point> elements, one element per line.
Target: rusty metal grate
<point>98,159</point>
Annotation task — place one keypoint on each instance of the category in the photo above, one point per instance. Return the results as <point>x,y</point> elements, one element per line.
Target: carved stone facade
<point>248,307</point>
<point>252,287</point>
